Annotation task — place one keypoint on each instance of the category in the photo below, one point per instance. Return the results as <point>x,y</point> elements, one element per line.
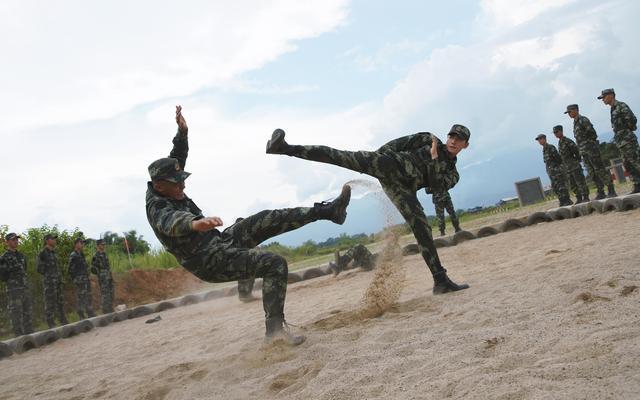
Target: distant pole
<point>126,246</point>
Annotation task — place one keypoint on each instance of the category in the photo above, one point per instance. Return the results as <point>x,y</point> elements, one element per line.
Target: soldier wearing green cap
<point>100,267</point>
<point>589,146</point>
<point>47,265</point>
<point>79,273</point>
<point>570,155</point>
<point>230,255</point>
<point>402,166</point>
<point>13,271</point>
<point>555,170</point>
<point>624,124</point>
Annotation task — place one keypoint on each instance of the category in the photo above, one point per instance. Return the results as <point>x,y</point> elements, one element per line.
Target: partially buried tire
<point>462,236</point>
<point>83,326</point>
<point>312,273</point>
<point>631,202</point>
<point>5,350</point>
<point>511,224</point>
<point>538,217</point>
<point>189,299</point>
<point>22,344</point>
<point>46,337</point>
<point>442,242</point>
<point>487,231</point>
<point>213,294</point>
<point>165,305</point>
<point>66,331</point>
<point>293,277</point>
<point>120,316</point>
<point>140,311</point>
<point>614,204</point>
<point>410,249</point>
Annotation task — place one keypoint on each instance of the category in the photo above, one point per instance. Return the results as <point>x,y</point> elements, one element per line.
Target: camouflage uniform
<point>624,123</point>
<point>47,265</point>
<point>555,170</point>
<point>229,255</point>
<point>13,271</point>
<point>441,201</point>
<point>100,267</point>
<point>571,160</point>
<point>402,166</point>
<point>361,257</point>
<point>79,273</point>
<point>589,146</point>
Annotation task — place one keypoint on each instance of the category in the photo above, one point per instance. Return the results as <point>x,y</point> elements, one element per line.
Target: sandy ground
<point>552,313</point>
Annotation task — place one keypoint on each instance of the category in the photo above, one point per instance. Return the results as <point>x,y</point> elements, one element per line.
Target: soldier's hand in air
<point>434,148</point>
<point>182,124</point>
<point>206,224</point>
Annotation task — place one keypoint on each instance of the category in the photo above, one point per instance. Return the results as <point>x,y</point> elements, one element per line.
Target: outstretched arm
<point>180,149</point>
<point>407,143</point>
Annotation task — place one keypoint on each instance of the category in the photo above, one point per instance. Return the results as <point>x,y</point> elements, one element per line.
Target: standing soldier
<point>100,267</point>
<point>79,273</point>
<point>441,201</point>
<point>553,163</point>
<point>359,254</point>
<point>571,161</point>
<point>589,146</point>
<point>47,265</point>
<point>624,123</point>
<point>13,271</point>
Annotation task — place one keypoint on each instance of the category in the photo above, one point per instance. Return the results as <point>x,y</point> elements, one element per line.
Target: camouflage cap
<point>461,131</point>
<point>167,169</point>
<point>558,128</point>
<point>11,236</point>
<point>606,92</point>
<point>541,136</point>
<point>572,107</point>
<point>50,236</point>
<point>99,242</point>
<point>80,239</point>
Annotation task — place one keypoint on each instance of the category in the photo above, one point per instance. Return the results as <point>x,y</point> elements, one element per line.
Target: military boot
<point>611,191</point>
<point>636,188</point>
<point>579,199</point>
<point>565,202</point>
<point>277,328</point>
<point>277,144</point>
<point>51,323</point>
<point>442,233</point>
<point>336,210</point>
<point>81,315</point>
<point>442,284</point>
<point>600,194</point>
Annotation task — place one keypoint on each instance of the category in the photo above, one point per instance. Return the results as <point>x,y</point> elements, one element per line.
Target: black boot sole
<point>275,144</point>
<point>448,289</point>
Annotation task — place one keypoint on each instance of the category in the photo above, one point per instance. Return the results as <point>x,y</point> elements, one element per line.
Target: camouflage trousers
<point>232,256</point>
<point>440,203</point>
<point>84,299</point>
<point>245,287</point>
<point>400,177</point>
<point>106,292</point>
<point>53,300</point>
<point>559,183</point>
<point>361,257</point>
<point>577,181</point>
<point>20,311</point>
<point>595,167</point>
<point>627,143</point>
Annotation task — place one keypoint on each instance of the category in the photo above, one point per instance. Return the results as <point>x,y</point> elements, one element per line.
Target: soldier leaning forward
<point>228,255</point>
<point>589,146</point>
<point>47,265</point>
<point>442,201</point>
<point>555,170</point>
<point>79,273</point>
<point>570,155</point>
<point>359,254</point>
<point>402,166</point>
<point>100,267</point>
<point>13,271</point>
<point>624,123</point>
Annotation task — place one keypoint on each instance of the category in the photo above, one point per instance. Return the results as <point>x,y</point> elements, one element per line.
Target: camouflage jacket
<point>584,133</point>
<point>441,173</point>
<point>443,198</point>
<point>13,270</point>
<point>100,265</point>
<point>569,152</point>
<point>623,121</point>
<point>47,264</point>
<point>171,219</point>
<point>77,265</point>
<point>551,156</point>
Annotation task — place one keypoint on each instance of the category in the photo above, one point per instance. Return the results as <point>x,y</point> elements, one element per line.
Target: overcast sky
<point>88,91</point>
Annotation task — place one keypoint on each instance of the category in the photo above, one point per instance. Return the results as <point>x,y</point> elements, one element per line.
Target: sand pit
<point>552,313</point>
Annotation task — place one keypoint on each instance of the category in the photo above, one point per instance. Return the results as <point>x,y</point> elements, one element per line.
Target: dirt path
<point>552,312</point>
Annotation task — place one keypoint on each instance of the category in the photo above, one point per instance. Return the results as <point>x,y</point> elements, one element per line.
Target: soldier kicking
<point>230,255</point>
<point>403,166</point>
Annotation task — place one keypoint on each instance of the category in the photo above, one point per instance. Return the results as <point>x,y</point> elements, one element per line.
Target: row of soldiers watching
<point>565,164</point>
<point>13,271</point>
